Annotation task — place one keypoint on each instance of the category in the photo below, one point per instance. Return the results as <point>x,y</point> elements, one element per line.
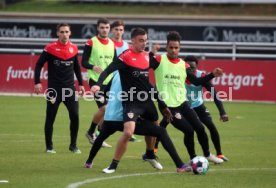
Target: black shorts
<point>143,127</point>
<point>101,97</point>
<point>145,110</point>
<point>202,112</point>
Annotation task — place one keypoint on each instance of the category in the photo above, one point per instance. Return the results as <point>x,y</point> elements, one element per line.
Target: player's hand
<point>95,88</point>
<point>37,88</point>
<point>217,72</point>
<point>97,69</point>
<point>155,48</point>
<point>81,90</point>
<point>167,113</point>
<point>224,118</point>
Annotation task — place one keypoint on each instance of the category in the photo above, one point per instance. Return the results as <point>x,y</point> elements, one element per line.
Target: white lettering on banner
<point>231,36</point>
<point>237,81</point>
<point>24,74</point>
<point>31,32</point>
<point>29,74</point>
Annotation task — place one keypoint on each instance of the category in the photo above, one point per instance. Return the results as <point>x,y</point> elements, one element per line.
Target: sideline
<point>4,181</point>
<point>77,184</point>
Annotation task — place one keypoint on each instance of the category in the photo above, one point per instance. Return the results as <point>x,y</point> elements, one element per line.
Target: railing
<point>202,49</point>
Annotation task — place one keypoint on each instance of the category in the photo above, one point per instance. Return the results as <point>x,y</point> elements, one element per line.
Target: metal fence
<point>202,49</point>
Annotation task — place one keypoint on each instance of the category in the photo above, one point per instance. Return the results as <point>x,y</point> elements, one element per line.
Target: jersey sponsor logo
<point>178,115</point>
<point>130,115</point>
<point>66,63</point>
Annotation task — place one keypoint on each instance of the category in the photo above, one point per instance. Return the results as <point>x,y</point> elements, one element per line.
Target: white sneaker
<point>91,138</point>
<point>52,151</point>
<point>108,171</point>
<point>214,159</point>
<point>155,164</point>
<point>106,145</point>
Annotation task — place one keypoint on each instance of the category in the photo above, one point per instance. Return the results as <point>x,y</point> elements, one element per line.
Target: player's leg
<point>164,124</point>
<point>121,147</point>
<point>108,128</point>
<point>145,127</point>
<point>150,155</point>
<point>51,112</point>
<point>206,118</point>
<point>98,116</point>
<point>72,106</point>
<point>191,116</point>
<point>181,123</point>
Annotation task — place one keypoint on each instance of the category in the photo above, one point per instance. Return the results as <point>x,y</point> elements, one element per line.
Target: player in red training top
<point>62,59</point>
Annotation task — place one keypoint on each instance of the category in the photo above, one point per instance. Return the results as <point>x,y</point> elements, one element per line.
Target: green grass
<point>55,6</point>
<point>248,140</point>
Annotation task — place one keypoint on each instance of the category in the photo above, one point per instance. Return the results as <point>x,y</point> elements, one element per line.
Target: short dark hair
<point>102,20</point>
<point>137,31</point>
<point>117,23</point>
<point>63,25</point>
<point>191,58</point>
<point>173,36</point>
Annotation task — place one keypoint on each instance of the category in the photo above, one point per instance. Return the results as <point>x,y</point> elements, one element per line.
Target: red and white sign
<point>242,79</point>
<point>17,73</point>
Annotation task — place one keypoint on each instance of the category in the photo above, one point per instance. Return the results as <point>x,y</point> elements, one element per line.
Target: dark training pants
<point>143,127</point>
<point>72,106</point>
<point>205,117</point>
<point>185,119</point>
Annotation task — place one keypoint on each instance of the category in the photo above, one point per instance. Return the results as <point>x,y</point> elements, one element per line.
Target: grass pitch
<point>248,139</point>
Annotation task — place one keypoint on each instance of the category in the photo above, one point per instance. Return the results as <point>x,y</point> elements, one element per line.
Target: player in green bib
<point>171,73</point>
<point>98,53</point>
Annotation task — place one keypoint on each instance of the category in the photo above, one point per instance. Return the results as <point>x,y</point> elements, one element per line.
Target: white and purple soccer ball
<point>200,165</point>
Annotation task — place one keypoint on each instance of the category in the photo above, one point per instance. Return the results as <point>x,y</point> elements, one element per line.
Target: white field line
<point>4,181</point>
<point>77,184</point>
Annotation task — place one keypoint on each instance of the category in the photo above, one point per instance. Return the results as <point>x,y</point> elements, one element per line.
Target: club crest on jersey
<point>178,116</point>
<point>130,115</point>
<point>147,57</point>
<point>71,50</point>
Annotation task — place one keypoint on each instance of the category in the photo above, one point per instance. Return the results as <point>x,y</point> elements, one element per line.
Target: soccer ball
<point>200,165</point>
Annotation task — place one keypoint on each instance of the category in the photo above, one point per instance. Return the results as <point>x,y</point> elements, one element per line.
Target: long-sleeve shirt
<point>62,62</point>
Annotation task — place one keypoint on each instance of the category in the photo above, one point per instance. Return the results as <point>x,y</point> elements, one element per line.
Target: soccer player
<point>170,75</point>
<point>194,95</point>
<point>117,30</point>
<point>98,53</point>
<point>62,59</point>
<point>113,121</point>
<point>133,66</point>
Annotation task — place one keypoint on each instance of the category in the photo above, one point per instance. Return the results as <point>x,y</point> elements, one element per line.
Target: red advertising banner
<point>242,79</point>
<point>17,73</point>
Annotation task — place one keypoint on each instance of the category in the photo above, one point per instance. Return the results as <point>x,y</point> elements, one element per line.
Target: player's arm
<point>39,64</point>
<point>154,62</point>
<point>115,65</point>
<point>209,87</point>
<point>86,55</point>
<point>200,81</point>
<point>161,103</point>
<point>77,71</point>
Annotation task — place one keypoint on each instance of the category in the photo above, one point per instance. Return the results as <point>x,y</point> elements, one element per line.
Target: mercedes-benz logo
<point>210,34</point>
<point>88,31</point>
